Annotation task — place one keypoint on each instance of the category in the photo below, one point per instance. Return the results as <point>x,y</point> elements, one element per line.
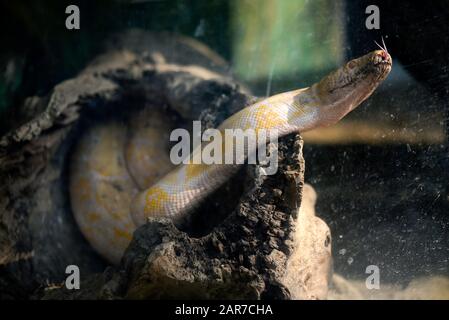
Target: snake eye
<point>351,64</point>
<point>327,241</point>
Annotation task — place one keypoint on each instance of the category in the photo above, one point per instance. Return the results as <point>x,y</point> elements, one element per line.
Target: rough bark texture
<point>241,241</point>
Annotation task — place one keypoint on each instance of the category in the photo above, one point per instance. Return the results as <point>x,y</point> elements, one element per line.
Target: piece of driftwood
<point>245,241</point>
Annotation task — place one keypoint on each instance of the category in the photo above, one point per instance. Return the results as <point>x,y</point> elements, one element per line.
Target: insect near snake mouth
<point>382,56</point>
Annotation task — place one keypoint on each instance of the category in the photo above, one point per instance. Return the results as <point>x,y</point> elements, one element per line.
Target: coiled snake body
<point>119,177</point>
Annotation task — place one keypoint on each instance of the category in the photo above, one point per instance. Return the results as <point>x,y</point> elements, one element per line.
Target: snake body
<point>120,176</point>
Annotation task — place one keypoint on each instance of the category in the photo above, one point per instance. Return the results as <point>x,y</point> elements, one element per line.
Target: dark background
<point>386,204</point>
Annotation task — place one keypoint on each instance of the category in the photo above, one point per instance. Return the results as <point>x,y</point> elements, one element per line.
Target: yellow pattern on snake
<point>120,176</point>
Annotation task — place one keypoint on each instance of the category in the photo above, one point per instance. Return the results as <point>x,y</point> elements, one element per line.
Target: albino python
<point>120,176</point>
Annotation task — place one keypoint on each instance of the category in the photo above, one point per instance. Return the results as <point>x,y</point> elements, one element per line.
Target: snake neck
<point>326,111</point>
<point>327,108</point>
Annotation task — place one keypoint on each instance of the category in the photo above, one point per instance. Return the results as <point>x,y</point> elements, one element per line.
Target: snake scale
<point>119,177</point>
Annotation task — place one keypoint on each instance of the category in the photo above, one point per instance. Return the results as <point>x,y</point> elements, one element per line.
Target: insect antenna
<point>379,45</point>
<point>385,46</point>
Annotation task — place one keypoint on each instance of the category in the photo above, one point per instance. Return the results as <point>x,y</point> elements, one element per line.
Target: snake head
<point>381,61</point>
<point>344,89</point>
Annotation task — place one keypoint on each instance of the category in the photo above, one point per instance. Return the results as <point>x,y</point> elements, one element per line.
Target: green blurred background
<point>272,45</point>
